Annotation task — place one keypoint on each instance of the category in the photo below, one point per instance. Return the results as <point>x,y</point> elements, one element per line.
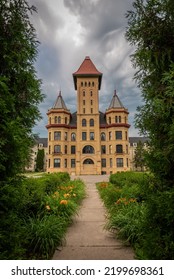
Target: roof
<point>73,120</point>
<point>43,141</point>
<point>138,139</point>
<point>87,68</point>
<point>59,104</point>
<point>115,102</point>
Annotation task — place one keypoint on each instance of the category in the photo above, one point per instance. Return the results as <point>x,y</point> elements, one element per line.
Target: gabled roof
<point>87,68</point>
<point>115,102</point>
<point>59,104</point>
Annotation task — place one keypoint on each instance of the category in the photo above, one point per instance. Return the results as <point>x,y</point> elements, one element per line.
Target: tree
<point>19,87</point>
<point>139,156</point>
<point>151,30</point>
<point>40,160</point>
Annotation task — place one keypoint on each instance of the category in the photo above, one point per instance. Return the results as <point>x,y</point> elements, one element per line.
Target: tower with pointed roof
<point>88,141</point>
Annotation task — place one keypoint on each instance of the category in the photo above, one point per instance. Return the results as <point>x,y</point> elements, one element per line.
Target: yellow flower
<point>47,207</point>
<point>66,195</point>
<point>56,193</point>
<point>74,194</point>
<point>64,202</point>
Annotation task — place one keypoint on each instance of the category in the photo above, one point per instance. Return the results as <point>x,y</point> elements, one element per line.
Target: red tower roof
<point>87,69</point>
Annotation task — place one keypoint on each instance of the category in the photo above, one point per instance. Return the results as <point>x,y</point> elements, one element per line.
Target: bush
<point>34,218</point>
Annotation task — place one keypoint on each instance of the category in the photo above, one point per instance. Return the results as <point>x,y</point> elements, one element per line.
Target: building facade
<point>88,141</point>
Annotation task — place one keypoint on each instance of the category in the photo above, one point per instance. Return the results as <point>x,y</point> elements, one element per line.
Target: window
<point>50,120</point>
<point>73,149</point>
<point>83,110</point>
<point>110,162</point>
<point>103,136</point>
<point>83,102</point>
<point>81,84</point>
<point>83,135</point>
<point>91,93</point>
<point>73,163</point>
<point>127,160</point>
<point>91,135</point>
<point>66,136</point>
<point>118,135</point>
<point>91,102</point>
<point>59,119</point>
<point>125,119</point>
<point>57,162</point>
<point>57,135</point>
<point>55,120</point>
<point>66,121</point>
<point>65,148</point>
<point>119,149</point>
<point>109,119</point>
<point>88,150</point>
<point>103,162</point>
<point>49,150</point>
<point>110,149</point>
<point>126,135</point>
<point>85,84</point>
<point>93,84</point>
<point>91,110</point>
<point>119,162</point>
<point>83,93</point>
<point>89,84</point>
<point>103,149</point>
<point>91,122</point>
<point>49,136</point>
<point>119,119</point>
<point>126,149</point>
<point>49,163</point>
<point>83,122</point>
<point>57,149</point>
<point>88,161</point>
<point>65,163</point>
<point>116,119</point>
<point>73,136</point>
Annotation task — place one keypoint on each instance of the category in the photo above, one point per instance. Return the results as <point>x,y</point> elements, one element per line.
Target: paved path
<point>86,238</point>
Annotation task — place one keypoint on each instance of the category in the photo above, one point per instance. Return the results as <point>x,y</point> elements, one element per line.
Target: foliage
<point>139,159</point>
<point>35,213</point>
<point>130,206</point>
<point>151,30</point>
<point>19,86</point>
<point>40,160</point>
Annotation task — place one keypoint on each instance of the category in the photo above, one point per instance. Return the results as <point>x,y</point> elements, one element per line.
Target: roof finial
<point>115,92</point>
<point>59,92</point>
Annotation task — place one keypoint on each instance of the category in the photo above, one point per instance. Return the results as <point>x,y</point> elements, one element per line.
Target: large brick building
<point>88,141</point>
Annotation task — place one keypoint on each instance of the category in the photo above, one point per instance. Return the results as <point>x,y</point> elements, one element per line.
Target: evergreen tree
<point>19,87</point>
<point>40,160</point>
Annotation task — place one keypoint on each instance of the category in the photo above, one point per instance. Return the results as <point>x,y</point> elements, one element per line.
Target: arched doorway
<point>88,167</point>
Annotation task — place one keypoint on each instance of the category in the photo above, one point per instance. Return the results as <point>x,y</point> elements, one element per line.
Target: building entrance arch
<point>88,167</point>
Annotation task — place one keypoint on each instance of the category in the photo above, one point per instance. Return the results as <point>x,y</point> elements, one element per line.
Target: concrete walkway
<point>86,238</point>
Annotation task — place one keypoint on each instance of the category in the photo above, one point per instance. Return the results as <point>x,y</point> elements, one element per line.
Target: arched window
<point>91,92</point>
<point>50,120</point>
<point>57,149</point>
<point>89,84</point>
<point>103,136</point>
<point>119,149</point>
<point>88,150</point>
<point>119,119</point>
<point>85,84</point>
<point>59,119</point>
<point>66,120</point>
<point>93,84</point>
<point>73,136</point>
<point>84,122</point>
<point>81,84</point>
<point>55,120</point>
<point>116,119</point>
<point>109,119</point>
<point>83,93</point>
<point>125,119</point>
<point>91,122</point>
<point>88,161</point>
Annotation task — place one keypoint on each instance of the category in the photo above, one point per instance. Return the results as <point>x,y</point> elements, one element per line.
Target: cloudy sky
<point>69,30</point>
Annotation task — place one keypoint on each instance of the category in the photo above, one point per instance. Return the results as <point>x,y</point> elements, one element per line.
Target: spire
<point>115,102</point>
<point>87,69</point>
<point>59,104</point>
